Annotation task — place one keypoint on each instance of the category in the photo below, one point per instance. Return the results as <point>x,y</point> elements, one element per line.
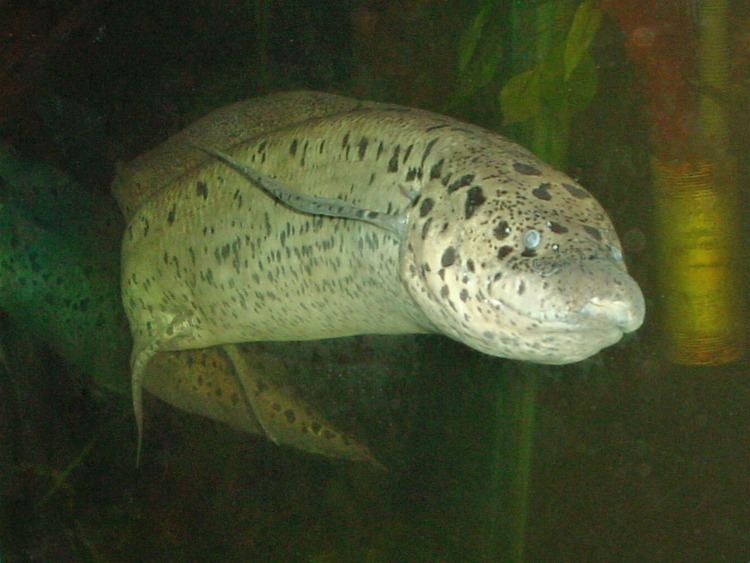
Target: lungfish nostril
<point>625,312</point>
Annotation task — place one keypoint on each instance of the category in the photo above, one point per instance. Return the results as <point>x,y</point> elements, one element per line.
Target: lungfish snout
<point>625,310</point>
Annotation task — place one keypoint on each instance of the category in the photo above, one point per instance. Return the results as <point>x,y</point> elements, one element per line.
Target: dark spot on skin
<point>470,265</point>
<point>503,251</point>
<point>474,199</point>
<point>362,147</point>
<point>407,152</point>
<point>528,253</point>
<point>445,292</point>
<point>289,414</point>
<point>393,162</point>
<point>411,174</point>
<point>462,182</point>
<point>502,230</point>
<point>542,191</point>
<point>521,288</point>
<point>426,207</point>
<point>593,232</point>
<point>557,228</point>
<point>345,141</point>
<point>202,190</point>
<point>448,258</point>
<point>464,295</point>
<point>437,169</point>
<point>426,228</point>
<point>575,191</point>
<point>293,147</point>
<point>171,214</point>
<point>427,151</point>
<point>526,169</point>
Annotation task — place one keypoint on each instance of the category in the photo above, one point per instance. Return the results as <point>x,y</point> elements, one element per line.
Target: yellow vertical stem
<point>701,301</point>
<point>696,219</point>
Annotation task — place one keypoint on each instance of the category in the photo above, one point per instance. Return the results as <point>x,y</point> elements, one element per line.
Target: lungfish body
<point>372,219</point>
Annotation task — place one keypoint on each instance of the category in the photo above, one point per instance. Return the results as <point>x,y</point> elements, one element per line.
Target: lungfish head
<point>517,260</point>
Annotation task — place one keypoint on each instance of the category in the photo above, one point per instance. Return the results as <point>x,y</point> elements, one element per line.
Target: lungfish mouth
<point>557,327</point>
<point>622,310</point>
<point>626,315</point>
<point>600,320</point>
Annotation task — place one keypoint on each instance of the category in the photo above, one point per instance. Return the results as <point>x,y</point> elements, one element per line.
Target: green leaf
<point>520,97</point>
<point>482,69</point>
<point>551,66</point>
<point>489,63</point>
<point>480,52</point>
<point>566,97</point>
<point>580,35</point>
<point>583,84</point>
<point>467,45</point>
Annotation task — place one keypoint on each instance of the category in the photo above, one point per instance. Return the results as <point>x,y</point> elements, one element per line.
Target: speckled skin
<point>210,259</point>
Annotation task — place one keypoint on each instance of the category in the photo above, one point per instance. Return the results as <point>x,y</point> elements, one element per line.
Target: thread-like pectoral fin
<point>285,418</point>
<point>139,359</point>
<point>251,388</point>
<point>138,362</point>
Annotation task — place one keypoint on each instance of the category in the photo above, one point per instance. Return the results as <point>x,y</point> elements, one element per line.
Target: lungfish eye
<point>531,239</point>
